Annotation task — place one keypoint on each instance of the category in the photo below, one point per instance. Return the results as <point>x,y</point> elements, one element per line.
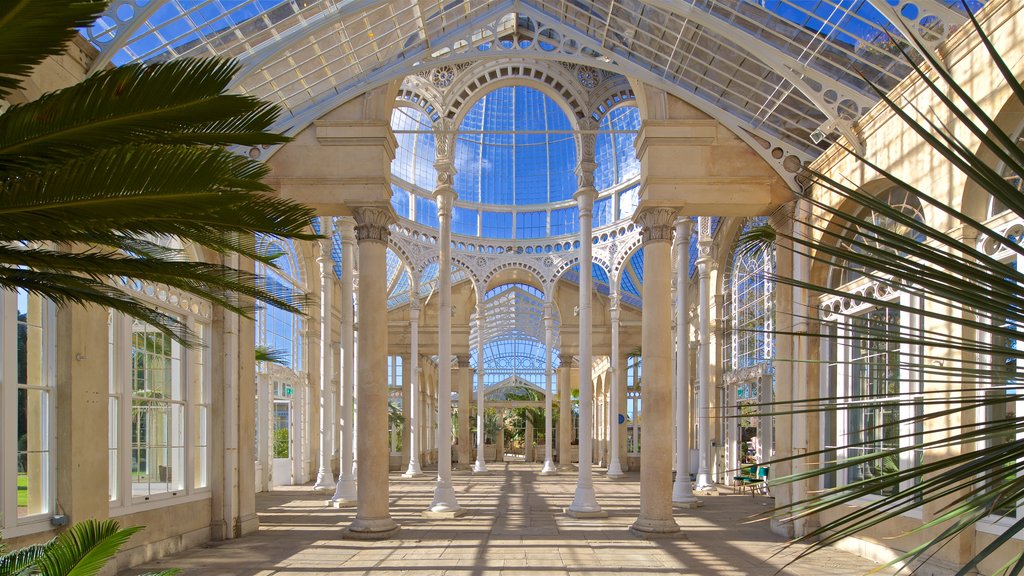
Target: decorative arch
<point>416,97</point>
<point>489,76</point>
<point>496,276</point>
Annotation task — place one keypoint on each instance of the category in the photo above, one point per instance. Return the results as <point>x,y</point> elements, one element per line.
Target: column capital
<point>548,311</point>
<point>586,145</point>
<point>462,360</point>
<point>444,142</point>
<point>346,229</point>
<point>445,196</point>
<point>655,223</point>
<point>373,222</point>
<point>585,197</point>
<point>565,360</point>
<point>684,228</point>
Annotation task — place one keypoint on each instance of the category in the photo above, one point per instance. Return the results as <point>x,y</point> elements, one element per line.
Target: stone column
<point>412,421</point>
<point>444,504</point>
<point>465,408</point>
<point>564,413</point>
<point>480,466</point>
<point>614,462</point>
<point>324,476</point>
<point>584,503</point>
<point>704,481</point>
<point>549,338</point>
<point>345,492</point>
<point>373,521</point>
<point>656,392</point>
<point>682,493</point>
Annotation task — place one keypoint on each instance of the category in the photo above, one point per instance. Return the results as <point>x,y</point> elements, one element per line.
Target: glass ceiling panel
<point>515,148</point>
<point>414,159</point>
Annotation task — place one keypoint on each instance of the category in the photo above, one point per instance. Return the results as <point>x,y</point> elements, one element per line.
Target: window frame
<point>10,523</point>
<point>122,501</point>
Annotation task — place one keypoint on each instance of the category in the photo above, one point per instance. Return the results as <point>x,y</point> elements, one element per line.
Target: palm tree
<point>83,550</point>
<point>979,298</point>
<point>96,178</point>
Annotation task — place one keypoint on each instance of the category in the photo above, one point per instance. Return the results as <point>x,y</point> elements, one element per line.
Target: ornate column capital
<point>346,229</point>
<point>445,197</point>
<point>444,142</point>
<point>585,197</point>
<point>462,360</point>
<point>684,229</point>
<point>373,222</point>
<point>565,360</point>
<point>586,145</point>
<point>414,309</point>
<point>655,223</point>
<point>548,311</point>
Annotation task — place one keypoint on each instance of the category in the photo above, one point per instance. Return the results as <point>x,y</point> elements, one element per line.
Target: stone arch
<point>974,201</point>
<point>569,263</point>
<point>456,261</point>
<point>621,257</point>
<point>515,272</point>
<point>609,95</point>
<point>414,98</point>
<point>482,79</point>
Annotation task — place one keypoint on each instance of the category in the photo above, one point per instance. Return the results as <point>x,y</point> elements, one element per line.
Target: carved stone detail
<point>656,224</point>
<point>373,222</point>
<point>442,76</point>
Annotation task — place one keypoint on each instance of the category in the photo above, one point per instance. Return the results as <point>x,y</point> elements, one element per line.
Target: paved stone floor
<point>514,527</point>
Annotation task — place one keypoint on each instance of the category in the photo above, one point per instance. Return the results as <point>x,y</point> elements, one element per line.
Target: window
<point>870,374</point>
<point>634,370</point>
<point>395,422</point>
<point>159,403</point>
<point>28,392</point>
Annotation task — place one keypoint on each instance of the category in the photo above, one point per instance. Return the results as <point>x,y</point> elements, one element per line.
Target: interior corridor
<point>514,525</point>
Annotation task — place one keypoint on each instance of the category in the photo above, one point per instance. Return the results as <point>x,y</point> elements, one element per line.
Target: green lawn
<point>22,490</point>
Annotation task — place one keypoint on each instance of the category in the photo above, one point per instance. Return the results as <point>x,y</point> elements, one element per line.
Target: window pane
<point>33,408</point>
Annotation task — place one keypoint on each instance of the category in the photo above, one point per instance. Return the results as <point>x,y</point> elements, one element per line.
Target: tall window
<point>26,360</point>
<point>634,370</point>
<point>395,422</point>
<point>750,307</point>
<point>159,413</point>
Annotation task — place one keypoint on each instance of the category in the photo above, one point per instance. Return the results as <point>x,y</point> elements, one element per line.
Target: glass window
<point>614,152</point>
<point>464,221</point>
<point>531,224</point>
<point>29,403</point>
<point>565,221</point>
<point>426,211</point>
<point>749,301</point>
<point>400,201</point>
<point>497,225</point>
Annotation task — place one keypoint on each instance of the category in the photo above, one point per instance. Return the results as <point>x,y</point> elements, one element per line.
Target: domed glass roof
<point>515,159</point>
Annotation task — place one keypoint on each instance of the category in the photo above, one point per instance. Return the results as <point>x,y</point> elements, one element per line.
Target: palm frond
<point>272,355</point>
<point>84,549</point>
<point>31,30</point>
<point>178,102</point>
<point>18,561</point>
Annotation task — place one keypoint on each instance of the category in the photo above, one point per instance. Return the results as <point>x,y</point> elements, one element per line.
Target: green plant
<point>969,365</point>
<point>82,550</point>
<point>99,179</point>
<point>281,443</point>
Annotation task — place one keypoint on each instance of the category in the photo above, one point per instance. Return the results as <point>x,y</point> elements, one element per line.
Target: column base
<point>647,528</point>
<point>615,470</point>
<point>342,503</point>
<point>443,513</point>
<point>324,482</point>
<point>480,468</point>
<point>691,503</point>
<point>381,529</point>
<point>346,490</point>
<point>548,469</point>
<point>705,491</point>
<point>412,473</point>
<point>583,514</point>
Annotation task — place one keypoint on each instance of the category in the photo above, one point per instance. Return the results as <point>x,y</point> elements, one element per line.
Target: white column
<point>704,481</point>
<point>345,492</point>
<point>549,340</point>
<point>656,392</point>
<point>614,465</point>
<point>584,503</point>
<point>682,493</point>
<point>373,520</point>
<point>444,504</point>
<point>324,476</point>
<point>480,466</point>
<point>412,422</point>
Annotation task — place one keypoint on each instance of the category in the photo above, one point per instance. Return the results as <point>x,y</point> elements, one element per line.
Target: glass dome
<point>515,157</point>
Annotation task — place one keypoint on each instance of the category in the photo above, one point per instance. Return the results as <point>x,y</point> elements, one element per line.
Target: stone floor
<point>514,527</point>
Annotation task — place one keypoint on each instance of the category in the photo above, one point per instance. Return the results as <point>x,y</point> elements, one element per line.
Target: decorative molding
<point>372,223</point>
<point>656,224</point>
<point>744,375</point>
<point>835,307</point>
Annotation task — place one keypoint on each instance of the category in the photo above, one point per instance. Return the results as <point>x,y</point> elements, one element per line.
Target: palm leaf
<point>179,102</point>
<point>18,561</point>
<point>272,355</point>
<point>84,549</point>
<point>29,32</point>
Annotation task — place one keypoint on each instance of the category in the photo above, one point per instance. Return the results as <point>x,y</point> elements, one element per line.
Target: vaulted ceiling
<point>789,74</point>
